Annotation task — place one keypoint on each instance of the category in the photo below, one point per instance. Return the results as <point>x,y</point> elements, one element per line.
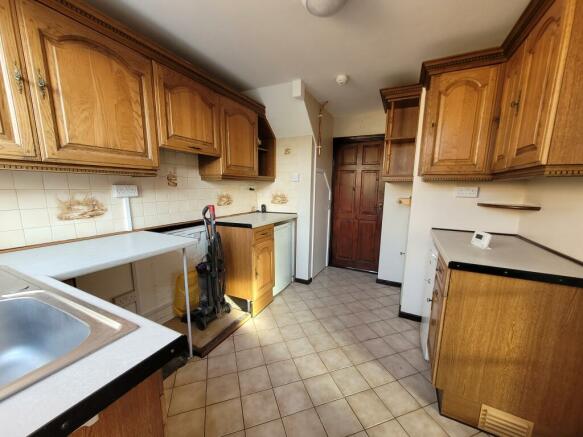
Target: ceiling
<point>378,43</point>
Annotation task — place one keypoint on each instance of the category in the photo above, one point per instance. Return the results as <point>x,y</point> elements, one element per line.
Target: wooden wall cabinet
<point>402,108</point>
<point>187,113</point>
<point>92,96</point>
<point>17,139</point>
<point>250,267</point>
<point>459,112</point>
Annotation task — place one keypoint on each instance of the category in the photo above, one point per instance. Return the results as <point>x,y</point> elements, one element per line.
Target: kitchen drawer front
<point>263,233</point>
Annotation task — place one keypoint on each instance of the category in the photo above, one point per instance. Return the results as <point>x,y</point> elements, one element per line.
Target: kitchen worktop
<point>509,255</point>
<point>256,219</point>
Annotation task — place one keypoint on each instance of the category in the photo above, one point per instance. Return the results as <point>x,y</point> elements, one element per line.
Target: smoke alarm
<point>341,79</point>
<point>323,8</point>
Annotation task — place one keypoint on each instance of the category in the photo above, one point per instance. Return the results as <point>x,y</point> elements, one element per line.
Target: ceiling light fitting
<point>323,8</point>
<point>342,79</point>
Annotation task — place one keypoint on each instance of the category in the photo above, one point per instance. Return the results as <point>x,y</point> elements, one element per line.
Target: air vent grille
<point>503,424</point>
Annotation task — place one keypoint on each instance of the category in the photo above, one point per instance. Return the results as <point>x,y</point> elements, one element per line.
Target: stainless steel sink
<point>43,330</point>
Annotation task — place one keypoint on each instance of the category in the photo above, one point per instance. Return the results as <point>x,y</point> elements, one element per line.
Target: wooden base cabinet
<point>249,264</point>
<point>507,354</point>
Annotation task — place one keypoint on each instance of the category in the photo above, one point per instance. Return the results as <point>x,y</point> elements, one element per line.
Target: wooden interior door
<point>539,77</point>
<point>93,96</point>
<point>458,121</point>
<point>239,132</point>
<point>188,113</point>
<point>16,125</point>
<point>357,205</point>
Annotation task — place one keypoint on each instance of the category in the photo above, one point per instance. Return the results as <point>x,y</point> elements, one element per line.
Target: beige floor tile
<point>398,342</point>
<point>399,324</point>
<point>292,332</point>
<point>304,316</point>
<point>363,332</point>
<point>397,366</point>
<point>322,389</point>
<point>283,372</point>
<point>314,328</point>
<point>333,324</point>
<point>451,427</point>
<point>392,428</point>
<point>292,398</point>
<point>378,347</point>
<point>285,319</point>
<point>249,358</point>
<point>263,323</point>
<point>338,419</point>
<point>310,365</point>
<point>374,373</point>
<point>259,408</point>
<point>382,328</point>
<point>396,398</point>
<point>415,358</point>
<point>350,320</point>
<point>304,424</point>
<point>223,418</point>
<point>419,424</point>
<point>369,409</point>
<point>187,397</point>
<point>344,337</point>
<point>221,365</point>
<point>193,371</point>
<point>169,381</point>
<point>246,341</point>
<point>226,347</point>
<point>269,429</point>
<point>349,381</point>
<point>427,374</point>
<point>412,336</point>
<point>222,388</point>
<point>275,352</point>
<point>420,389</point>
<point>357,353</point>
<point>247,328</point>
<point>189,424</point>
<point>335,359</point>
<point>254,380</point>
<point>360,434</point>
<point>269,336</point>
<point>300,347</point>
<point>236,434</point>
<point>322,342</point>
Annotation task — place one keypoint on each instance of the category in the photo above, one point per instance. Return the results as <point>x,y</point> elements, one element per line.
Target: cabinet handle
<point>19,78</point>
<point>256,274</point>
<point>432,124</point>
<point>42,84</point>
<point>194,147</point>
<point>515,104</point>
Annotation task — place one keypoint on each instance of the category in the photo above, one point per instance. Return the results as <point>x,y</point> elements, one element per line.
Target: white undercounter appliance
<point>430,271</point>
<point>284,255</point>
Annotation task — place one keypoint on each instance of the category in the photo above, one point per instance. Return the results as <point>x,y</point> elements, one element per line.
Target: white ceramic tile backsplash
<point>29,201</point>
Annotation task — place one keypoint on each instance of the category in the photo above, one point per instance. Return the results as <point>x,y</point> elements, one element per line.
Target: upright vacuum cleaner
<point>211,276</point>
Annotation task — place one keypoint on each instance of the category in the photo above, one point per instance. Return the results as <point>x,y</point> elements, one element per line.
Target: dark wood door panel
<point>369,188</point>
<point>344,247</point>
<point>372,154</point>
<point>345,192</point>
<point>367,244</point>
<point>348,155</point>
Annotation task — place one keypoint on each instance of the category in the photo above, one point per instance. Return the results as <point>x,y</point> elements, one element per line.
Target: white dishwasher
<point>283,241</point>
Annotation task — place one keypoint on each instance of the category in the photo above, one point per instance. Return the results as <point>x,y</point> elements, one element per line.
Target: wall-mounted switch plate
<point>467,191</point>
<point>124,191</point>
<point>295,177</point>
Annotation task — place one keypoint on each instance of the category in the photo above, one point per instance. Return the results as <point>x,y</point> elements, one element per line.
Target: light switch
<point>467,191</point>
<point>295,177</point>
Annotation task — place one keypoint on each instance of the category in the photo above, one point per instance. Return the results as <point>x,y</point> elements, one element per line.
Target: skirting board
<point>409,316</point>
<point>390,283</point>
<point>303,281</point>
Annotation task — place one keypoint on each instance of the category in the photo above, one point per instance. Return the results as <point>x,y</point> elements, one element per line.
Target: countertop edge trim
<point>74,417</point>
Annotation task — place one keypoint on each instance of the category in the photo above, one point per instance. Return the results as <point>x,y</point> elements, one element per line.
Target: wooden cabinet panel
<point>264,267</point>
<point>458,122</point>
<point>188,113</point>
<point>17,140</point>
<point>509,104</point>
<point>539,83</point>
<point>239,136</point>
<point>92,96</point>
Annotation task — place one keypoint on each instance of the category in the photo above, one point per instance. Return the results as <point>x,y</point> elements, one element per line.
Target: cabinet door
<point>539,85</point>
<point>263,268</point>
<point>187,113</point>
<point>239,138</point>
<point>16,124</point>
<point>509,105</point>
<point>458,121</point>
<point>93,96</point>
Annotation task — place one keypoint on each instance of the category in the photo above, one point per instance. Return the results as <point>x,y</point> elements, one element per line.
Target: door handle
<point>42,84</point>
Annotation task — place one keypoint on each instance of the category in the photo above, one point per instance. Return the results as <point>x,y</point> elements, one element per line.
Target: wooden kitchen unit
<point>250,266</point>
<point>506,352</point>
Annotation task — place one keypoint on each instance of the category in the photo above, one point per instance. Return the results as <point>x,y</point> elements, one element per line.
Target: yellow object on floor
<point>179,295</point>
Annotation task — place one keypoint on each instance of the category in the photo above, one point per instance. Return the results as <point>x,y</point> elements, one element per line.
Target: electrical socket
<point>118,191</point>
<point>467,191</point>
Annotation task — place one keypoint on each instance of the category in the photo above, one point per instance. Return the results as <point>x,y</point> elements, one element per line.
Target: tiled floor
<point>328,359</point>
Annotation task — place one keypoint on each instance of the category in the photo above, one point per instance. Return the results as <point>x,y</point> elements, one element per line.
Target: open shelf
<point>265,151</point>
<point>515,206</point>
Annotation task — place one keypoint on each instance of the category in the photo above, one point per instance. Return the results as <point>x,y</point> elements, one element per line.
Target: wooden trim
<point>389,283</point>
<point>479,58</point>
<point>404,92</point>
<point>533,12</point>
<point>457,177</point>
<point>510,206</point>
<point>548,170</point>
<point>358,139</point>
<point>97,20</point>
<point>73,168</point>
<point>398,178</point>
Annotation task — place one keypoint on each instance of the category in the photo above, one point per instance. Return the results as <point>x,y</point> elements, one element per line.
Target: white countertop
<point>506,251</point>
<point>69,260</point>
<point>257,219</point>
<point>33,407</point>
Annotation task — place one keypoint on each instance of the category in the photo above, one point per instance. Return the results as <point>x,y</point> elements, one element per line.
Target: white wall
<point>366,123</point>
<point>434,205</point>
<point>559,224</point>
<point>394,232</point>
